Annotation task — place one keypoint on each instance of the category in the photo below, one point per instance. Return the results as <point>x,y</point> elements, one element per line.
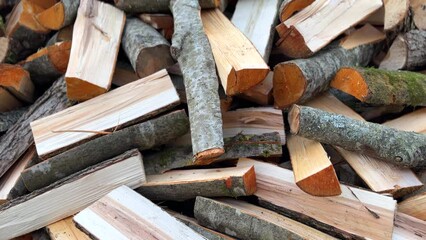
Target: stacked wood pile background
<point>213,119</point>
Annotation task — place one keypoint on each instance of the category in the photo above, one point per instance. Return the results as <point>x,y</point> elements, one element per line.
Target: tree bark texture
<point>70,13</point>
<point>156,6</point>
<point>8,119</point>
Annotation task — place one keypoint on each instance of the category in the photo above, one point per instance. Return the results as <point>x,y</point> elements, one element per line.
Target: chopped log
<point>8,119</point>
<point>17,81</point>
<point>25,33</point>
<point>158,20</point>
<point>382,87</point>
<point>261,93</point>
<point>256,20</point>
<point>98,27</point>
<point>64,198</point>
<point>63,35</point>
<point>65,229</point>
<point>289,7</point>
<point>414,206</point>
<point>121,107</point>
<point>143,136</point>
<point>124,74</point>
<point>277,191</point>
<point>8,102</point>
<point>407,227</point>
<point>181,185</point>
<point>19,138</point>
<point>380,176</point>
<point>313,171</point>
<point>147,50</point>
<point>239,64</point>
<point>419,13</point>
<point>59,15</point>
<point>191,49</point>
<point>395,13</point>
<point>158,6</point>
<point>48,63</point>
<point>299,80</point>
<point>308,31</point>
<point>408,51</point>
<point>246,221</point>
<point>124,214</point>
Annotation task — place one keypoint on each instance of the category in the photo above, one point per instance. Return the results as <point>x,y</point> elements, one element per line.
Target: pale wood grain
<point>414,206</point>
<point>65,229</point>
<point>407,227</point>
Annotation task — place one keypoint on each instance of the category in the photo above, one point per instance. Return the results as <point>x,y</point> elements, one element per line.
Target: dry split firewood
<point>17,81</point>
<point>59,15</point>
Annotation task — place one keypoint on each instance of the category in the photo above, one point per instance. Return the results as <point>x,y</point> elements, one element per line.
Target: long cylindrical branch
<point>7,119</point>
<point>406,149</point>
<point>192,50</point>
<point>156,6</point>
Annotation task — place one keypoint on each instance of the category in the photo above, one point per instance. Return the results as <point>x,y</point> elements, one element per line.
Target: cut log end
<point>289,85</point>
<point>238,79</point>
<point>325,188</point>
<point>350,81</point>
<point>148,61</point>
<point>80,90</point>
<point>396,58</point>
<point>208,156</point>
<point>249,180</point>
<point>53,17</point>
<point>294,45</point>
<point>293,118</point>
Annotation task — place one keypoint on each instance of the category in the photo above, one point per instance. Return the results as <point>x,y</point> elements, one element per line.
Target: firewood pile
<point>212,119</point>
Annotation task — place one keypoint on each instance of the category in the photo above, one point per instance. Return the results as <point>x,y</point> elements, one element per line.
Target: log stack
<point>212,119</point>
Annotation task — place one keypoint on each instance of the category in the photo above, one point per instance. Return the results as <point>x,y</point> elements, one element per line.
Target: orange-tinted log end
<point>350,81</point>
<point>289,85</point>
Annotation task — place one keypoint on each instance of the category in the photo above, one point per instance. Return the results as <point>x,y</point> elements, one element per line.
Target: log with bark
<point>63,35</point>
<point>18,138</point>
<point>143,136</point>
<point>382,87</point>
<point>17,81</point>
<point>158,6</point>
<point>407,149</point>
<point>60,15</point>
<point>98,27</point>
<point>64,198</point>
<point>261,93</point>
<point>65,229</point>
<point>147,50</point>
<point>192,50</point>
<point>124,74</point>
<point>8,119</point>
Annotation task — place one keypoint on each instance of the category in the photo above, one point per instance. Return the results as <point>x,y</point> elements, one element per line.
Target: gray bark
<point>155,6</point>
<point>143,136</point>
<point>71,8</point>
<point>192,50</point>
<point>24,42</point>
<point>407,149</point>
<point>416,49</point>
<point>7,119</point>
<point>42,71</point>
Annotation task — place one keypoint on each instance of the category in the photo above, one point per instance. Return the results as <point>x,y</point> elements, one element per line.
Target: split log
<point>143,136</point>
<point>181,185</point>
<point>158,6</point>
<point>59,15</point>
<point>17,81</point>
<point>48,63</point>
<point>25,33</point>
<point>407,149</point>
<point>147,50</point>
<point>289,7</point>
<point>382,87</point>
<point>308,31</point>
<point>408,51</point>
<point>395,13</point>
<point>65,229</point>
<point>419,13</point>
<point>64,198</point>
<point>19,137</point>
<point>246,221</point>
<point>261,93</point>
<point>8,102</point>
<point>277,191</point>
<point>8,119</point>
<point>256,20</point>
<point>98,27</point>
<point>63,35</point>
<point>407,227</point>
<point>121,107</point>
<point>299,80</point>
<point>239,64</point>
<point>313,171</point>
<point>380,176</point>
<point>124,214</point>
<point>124,74</point>
<point>192,50</point>
<point>414,206</point>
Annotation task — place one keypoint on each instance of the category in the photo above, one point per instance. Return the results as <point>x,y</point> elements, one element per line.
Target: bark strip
<point>8,119</point>
<point>156,6</point>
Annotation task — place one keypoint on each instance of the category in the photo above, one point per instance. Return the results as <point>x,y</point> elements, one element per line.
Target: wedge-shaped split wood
<point>98,27</point>
<point>65,229</point>
<point>180,185</point>
<point>17,81</point>
<point>261,93</point>
<point>121,107</point>
<point>313,171</point>
<point>407,227</point>
<point>64,198</point>
<point>309,30</point>
<point>158,20</point>
<point>60,15</point>
<point>239,64</point>
<point>414,206</point>
<point>148,6</point>
<point>395,13</point>
<point>246,221</point>
<point>366,215</point>
<point>124,214</point>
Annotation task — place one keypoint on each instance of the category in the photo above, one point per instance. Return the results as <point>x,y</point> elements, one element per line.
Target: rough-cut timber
<point>48,63</point>
<point>380,176</point>
<point>65,229</point>
<point>406,149</point>
<point>419,13</point>
<point>147,49</point>
<point>124,214</point>
<point>18,138</point>
<point>70,195</point>
<point>261,93</point>
<point>239,64</point>
<point>414,206</point>
<point>382,87</point>
<point>313,171</point>
<point>407,227</point>
<point>355,214</point>
<point>119,108</point>
<point>8,119</point>
<point>408,51</point>
<point>17,81</point>
<point>59,15</point>
<point>192,50</point>
<point>149,6</point>
<point>143,136</point>
<point>181,185</point>
<point>246,221</point>
<point>98,28</point>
